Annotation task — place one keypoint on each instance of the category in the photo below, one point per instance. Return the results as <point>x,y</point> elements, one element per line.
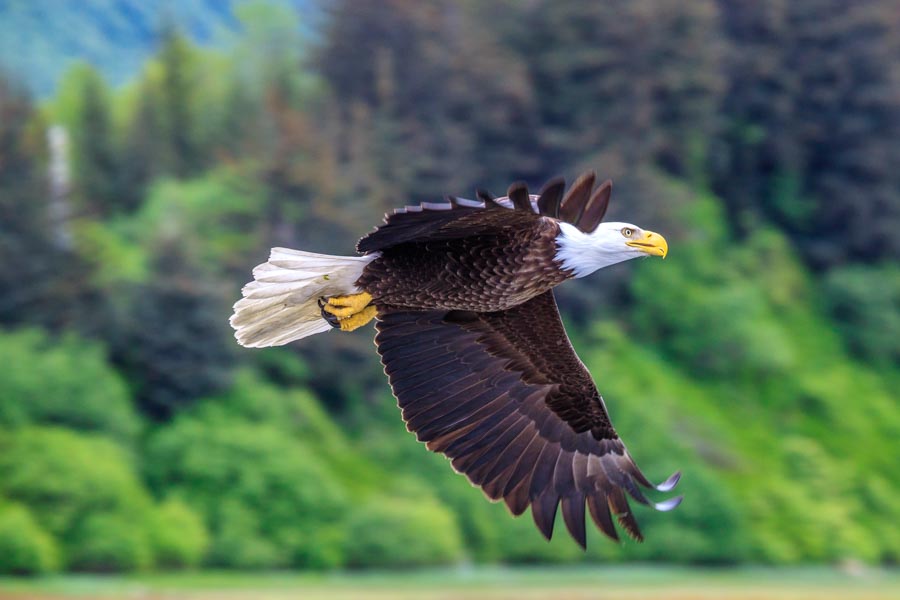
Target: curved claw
<point>670,483</point>
<point>330,318</point>
<point>667,505</point>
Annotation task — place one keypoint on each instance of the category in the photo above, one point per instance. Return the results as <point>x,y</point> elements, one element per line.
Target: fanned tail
<point>280,305</point>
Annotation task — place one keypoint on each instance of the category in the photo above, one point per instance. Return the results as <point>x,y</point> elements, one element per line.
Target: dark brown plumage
<point>505,397</point>
<point>481,256</point>
<point>478,358</point>
<point>508,261</point>
<point>551,196</point>
<point>575,200</point>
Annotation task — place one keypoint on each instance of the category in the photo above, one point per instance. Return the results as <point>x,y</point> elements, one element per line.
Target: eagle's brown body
<point>489,272</point>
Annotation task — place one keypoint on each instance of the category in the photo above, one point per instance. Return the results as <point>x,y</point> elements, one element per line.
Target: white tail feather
<point>281,305</point>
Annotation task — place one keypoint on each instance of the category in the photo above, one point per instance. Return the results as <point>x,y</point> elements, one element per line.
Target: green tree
<point>269,500</point>
<point>93,152</point>
<point>813,124</point>
<point>109,543</point>
<point>178,536</point>
<point>143,149</point>
<point>83,491</point>
<point>430,100</point>
<point>640,78</point>
<point>386,532</point>
<point>25,548</point>
<point>65,382</point>
<point>171,338</point>
<point>34,237</point>
<point>865,303</point>
<point>178,64</point>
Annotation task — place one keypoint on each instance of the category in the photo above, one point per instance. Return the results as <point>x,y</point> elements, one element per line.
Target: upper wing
<point>458,218</point>
<point>430,222</point>
<point>505,397</point>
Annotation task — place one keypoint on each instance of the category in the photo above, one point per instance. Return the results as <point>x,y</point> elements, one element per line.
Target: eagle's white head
<point>607,245</point>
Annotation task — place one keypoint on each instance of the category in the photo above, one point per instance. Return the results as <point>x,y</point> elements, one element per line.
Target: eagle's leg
<point>359,319</point>
<point>348,312</point>
<point>345,306</point>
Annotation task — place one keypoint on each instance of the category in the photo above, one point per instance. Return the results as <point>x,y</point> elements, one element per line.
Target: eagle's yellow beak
<point>652,243</point>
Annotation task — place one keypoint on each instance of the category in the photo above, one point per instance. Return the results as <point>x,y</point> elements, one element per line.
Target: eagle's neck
<point>583,253</point>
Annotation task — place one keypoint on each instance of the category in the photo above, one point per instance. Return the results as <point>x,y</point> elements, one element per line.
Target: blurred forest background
<point>138,189</point>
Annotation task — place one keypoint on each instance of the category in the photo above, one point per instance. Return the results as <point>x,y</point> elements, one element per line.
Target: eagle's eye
<point>628,232</point>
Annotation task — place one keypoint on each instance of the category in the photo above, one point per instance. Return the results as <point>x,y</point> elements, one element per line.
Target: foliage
<point>476,92</point>
<point>108,543</point>
<point>34,242</point>
<point>215,219</point>
<point>177,535</point>
<point>79,488</point>
<point>92,146</point>
<point>63,381</point>
<point>25,548</point>
<point>173,344</point>
<point>710,298</point>
<point>811,109</point>
<point>387,532</point>
<point>760,358</point>
<point>865,301</point>
<point>517,545</point>
<point>178,86</point>
<point>268,500</point>
<point>583,54</point>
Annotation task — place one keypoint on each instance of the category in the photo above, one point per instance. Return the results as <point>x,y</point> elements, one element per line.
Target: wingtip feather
<point>670,504</point>
<point>669,484</point>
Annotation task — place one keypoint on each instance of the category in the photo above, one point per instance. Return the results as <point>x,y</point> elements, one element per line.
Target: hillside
<point>761,358</point>
<point>41,39</point>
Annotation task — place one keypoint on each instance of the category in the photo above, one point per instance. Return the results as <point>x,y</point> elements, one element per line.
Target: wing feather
<point>551,195</point>
<point>598,506</point>
<point>517,500</point>
<point>505,397</point>
<point>573,203</point>
<point>543,510</point>
<point>457,218</point>
<point>509,472</point>
<point>518,193</point>
<point>573,515</point>
<point>595,209</point>
<point>619,505</point>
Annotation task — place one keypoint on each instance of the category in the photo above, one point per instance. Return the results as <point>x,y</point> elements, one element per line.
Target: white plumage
<point>280,305</point>
<point>583,253</point>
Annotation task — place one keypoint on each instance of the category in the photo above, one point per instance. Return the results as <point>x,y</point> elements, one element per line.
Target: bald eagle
<point>472,342</point>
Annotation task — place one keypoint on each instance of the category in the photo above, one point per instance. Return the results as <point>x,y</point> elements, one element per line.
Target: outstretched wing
<point>458,218</point>
<point>504,396</point>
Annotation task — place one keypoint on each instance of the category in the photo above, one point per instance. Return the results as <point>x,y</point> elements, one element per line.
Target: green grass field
<point>630,583</point>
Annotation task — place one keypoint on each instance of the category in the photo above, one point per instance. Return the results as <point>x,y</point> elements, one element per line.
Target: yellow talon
<point>358,319</point>
<point>340,312</point>
<point>346,306</point>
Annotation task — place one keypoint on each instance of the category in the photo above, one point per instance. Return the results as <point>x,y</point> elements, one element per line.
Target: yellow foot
<point>359,319</point>
<point>347,306</point>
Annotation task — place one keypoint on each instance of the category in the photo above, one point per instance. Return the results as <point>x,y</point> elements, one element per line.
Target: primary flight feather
<point>473,344</point>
